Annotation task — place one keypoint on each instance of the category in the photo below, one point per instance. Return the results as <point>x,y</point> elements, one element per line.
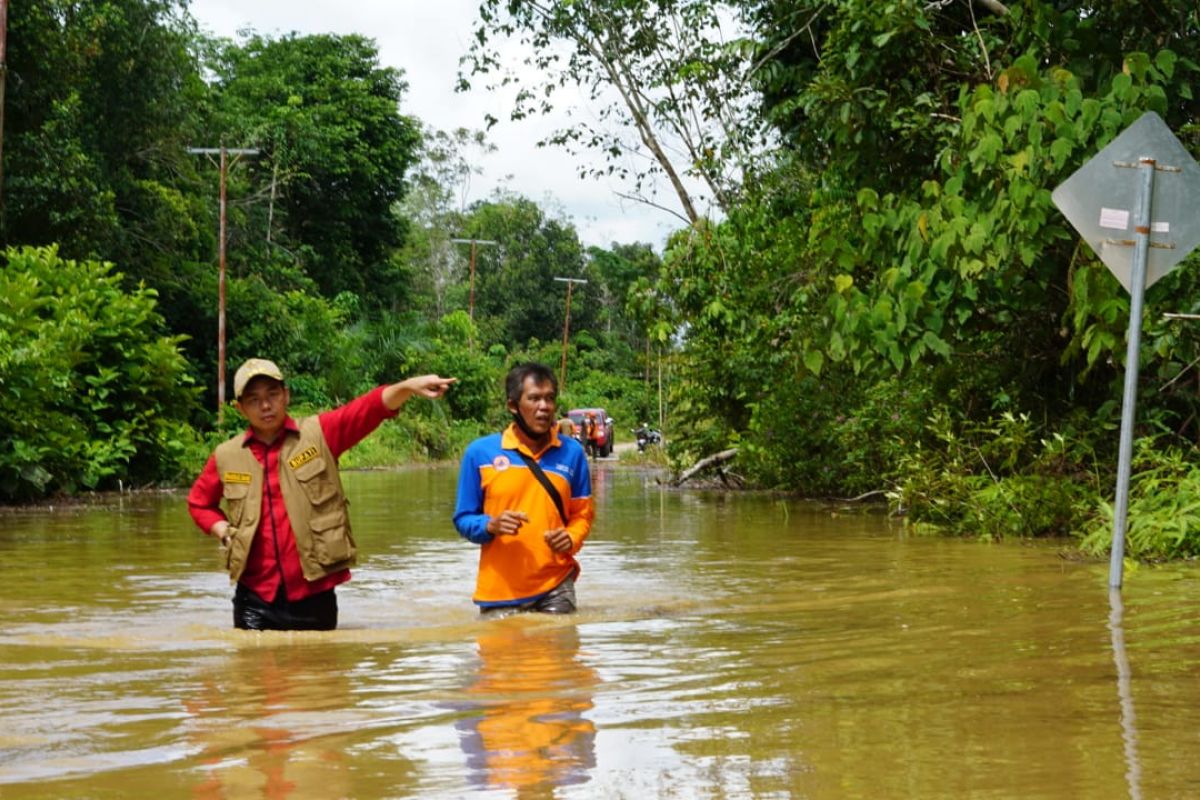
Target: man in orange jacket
<point>525,496</point>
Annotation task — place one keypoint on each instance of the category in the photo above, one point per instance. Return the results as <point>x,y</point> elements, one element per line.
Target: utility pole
<point>562,370</point>
<point>473,243</point>
<point>224,164</point>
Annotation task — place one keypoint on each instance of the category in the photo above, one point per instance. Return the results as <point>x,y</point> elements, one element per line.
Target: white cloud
<point>426,39</point>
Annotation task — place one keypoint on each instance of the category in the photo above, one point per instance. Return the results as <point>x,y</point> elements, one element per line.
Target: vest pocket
<point>315,481</point>
<point>331,540</point>
<point>235,501</point>
<point>234,556</point>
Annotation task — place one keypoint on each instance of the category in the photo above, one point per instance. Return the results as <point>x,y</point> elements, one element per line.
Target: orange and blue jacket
<point>519,569</point>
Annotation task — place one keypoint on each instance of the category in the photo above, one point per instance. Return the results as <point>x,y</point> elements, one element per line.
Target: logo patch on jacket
<point>501,463</point>
<point>303,457</point>
<point>236,477</point>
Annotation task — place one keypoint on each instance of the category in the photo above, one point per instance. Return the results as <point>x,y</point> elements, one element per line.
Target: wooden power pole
<point>474,243</point>
<point>223,164</point>
<point>562,369</point>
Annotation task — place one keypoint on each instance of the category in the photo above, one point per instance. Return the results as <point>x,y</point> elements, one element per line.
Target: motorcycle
<point>646,435</point>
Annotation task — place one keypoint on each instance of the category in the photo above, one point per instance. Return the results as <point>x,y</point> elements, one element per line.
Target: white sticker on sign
<point>1160,227</point>
<point>1115,218</point>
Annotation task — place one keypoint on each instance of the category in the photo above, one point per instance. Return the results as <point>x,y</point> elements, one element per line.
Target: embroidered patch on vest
<point>303,457</point>
<point>236,477</point>
<point>501,463</point>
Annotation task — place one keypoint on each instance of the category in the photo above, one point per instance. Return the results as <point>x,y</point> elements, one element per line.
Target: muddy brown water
<point>727,647</point>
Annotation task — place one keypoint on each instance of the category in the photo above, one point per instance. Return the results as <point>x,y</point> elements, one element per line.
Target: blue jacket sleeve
<point>469,518</point>
<point>581,483</point>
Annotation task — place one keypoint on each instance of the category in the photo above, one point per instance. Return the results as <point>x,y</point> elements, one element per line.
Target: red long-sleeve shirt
<point>273,559</point>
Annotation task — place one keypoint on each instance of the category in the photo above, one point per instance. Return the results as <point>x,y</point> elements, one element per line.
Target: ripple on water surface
<point>728,646</point>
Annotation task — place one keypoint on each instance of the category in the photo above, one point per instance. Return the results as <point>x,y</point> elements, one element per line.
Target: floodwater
<point>727,647</point>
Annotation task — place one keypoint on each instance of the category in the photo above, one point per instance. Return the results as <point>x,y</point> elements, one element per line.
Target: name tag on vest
<point>302,458</point>
<point>236,477</point>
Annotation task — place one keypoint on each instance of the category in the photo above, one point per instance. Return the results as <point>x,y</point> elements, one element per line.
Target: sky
<point>425,39</point>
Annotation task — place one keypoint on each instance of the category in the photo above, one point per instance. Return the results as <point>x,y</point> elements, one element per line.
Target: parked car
<point>602,444</point>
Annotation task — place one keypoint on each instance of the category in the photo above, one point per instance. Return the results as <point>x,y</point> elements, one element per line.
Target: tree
<point>436,206</point>
<point>100,101</point>
<point>619,273</point>
<point>906,235</point>
<point>516,297</point>
<point>671,93</point>
<point>870,92</point>
<point>336,150</point>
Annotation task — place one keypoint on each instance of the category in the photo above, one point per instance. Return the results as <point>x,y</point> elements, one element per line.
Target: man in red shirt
<point>285,532</point>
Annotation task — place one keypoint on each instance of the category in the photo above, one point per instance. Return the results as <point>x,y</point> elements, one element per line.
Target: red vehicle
<point>601,444</point>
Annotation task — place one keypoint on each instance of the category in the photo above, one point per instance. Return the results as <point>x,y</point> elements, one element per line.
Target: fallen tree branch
<point>704,463</point>
<point>864,496</point>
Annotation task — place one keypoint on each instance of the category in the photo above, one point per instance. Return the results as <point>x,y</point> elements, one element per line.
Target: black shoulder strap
<point>540,474</point>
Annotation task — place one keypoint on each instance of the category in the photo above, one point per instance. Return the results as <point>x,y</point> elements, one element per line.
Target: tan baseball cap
<point>251,369</point>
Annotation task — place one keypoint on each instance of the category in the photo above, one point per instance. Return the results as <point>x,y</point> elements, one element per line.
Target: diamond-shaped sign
<point>1100,197</point>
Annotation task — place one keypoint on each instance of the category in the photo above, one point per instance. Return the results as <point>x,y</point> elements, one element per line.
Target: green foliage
<point>101,99</point>
<point>1163,519</point>
<point>516,296</point>
<point>307,335</point>
<point>452,353</point>
<point>905,237</point>
<point>977,262</point>
<point>833,436</point>
<point>667,81</point>
<point>335,150</point>
<point>994,479</point>
<point>93,392</point>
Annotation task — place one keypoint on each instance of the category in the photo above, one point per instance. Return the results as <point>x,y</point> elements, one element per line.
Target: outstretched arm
<point>431,386</point>
<point>346,425</point>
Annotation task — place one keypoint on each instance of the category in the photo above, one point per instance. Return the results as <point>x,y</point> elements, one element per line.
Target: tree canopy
<point>335,157</point>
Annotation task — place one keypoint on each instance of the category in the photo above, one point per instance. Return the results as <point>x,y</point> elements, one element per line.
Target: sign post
<point>1097,200</point>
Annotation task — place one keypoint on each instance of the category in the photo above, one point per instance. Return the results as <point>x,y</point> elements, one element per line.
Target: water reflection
<point>1129,735</point>
<point>527,730</point>
<point>257,720</point>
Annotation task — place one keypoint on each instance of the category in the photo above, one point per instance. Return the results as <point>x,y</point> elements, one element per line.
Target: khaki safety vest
<point>312,495</point>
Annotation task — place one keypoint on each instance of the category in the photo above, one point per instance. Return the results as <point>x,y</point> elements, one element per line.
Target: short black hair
<point>514,384</point>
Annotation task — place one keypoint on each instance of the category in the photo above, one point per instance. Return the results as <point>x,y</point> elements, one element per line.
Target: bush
<point>995,479</point>
<point>834,435</point>
<point>1163,519</point>
<point>93,392</point>
<point>307,335</point>
<point>478,391</point>
<point>412,438</point>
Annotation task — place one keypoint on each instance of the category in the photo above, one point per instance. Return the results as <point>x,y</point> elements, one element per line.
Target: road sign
<point>1141,228</point>
<point>1099,200</point>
